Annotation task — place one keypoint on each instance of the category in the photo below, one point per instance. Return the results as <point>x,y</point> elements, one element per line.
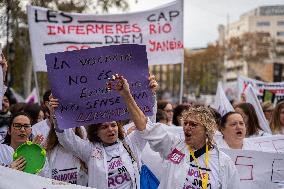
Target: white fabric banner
<point>222,104</point>
<point>274,143</point>
<point>265,91</point>
<point>251,97</point>
<point>12,179</point>
<point>258,169</point>
<point>160,29</point>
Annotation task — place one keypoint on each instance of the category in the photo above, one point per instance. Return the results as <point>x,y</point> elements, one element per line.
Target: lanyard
<point>204,180</point>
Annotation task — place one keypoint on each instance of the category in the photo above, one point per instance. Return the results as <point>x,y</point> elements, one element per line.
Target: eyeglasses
<point>190,124</point>
<point>19,126</point>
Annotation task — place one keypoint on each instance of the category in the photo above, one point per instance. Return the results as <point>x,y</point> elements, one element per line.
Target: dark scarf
<point>199,152</point>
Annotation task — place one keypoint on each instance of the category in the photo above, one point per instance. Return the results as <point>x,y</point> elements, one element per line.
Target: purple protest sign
<point>78,79</point>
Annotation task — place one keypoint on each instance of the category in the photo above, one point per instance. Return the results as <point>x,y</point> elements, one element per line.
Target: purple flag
<point>78,79</point>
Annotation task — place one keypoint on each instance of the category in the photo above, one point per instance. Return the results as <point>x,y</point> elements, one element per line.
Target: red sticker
<point>176,156</point>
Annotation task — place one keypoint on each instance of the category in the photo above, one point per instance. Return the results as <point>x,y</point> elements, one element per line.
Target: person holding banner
<point>113,159</point>
<point>233,128</point>
<point>192,162</point>
<point>277,119</point>
<point>251,120</point>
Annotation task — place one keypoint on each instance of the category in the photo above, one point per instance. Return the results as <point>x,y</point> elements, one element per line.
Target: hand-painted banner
<point>258,169</point>
<point>11,179</point>
<point>160,29</point>
<point>265,91</point>
<point>273,143</point>
<point>78,79</point>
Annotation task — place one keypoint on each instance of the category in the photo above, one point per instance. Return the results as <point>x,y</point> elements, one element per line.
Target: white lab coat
<point>95,157</point>
<point>175,174</point>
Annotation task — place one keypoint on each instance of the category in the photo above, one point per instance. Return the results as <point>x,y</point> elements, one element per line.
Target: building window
<point>263,23</point>
<point>280,23</point>
<point>281,33</point>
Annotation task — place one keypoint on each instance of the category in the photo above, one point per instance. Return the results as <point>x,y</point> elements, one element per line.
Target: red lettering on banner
<point>50,30</point>
<point>108,29</point>
<point>95,29</point>
<point>75,48</point>
<point>61,30</point>
<point>80,30</point>
<point>167,45</point>
<point>71,28</point>
<point>90,29</point>
<point>158,28</point>
<point>136,28</point>
<point>119,28</point>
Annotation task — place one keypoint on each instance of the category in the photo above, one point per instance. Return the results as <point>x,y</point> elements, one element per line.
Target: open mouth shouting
<point>239,134</point>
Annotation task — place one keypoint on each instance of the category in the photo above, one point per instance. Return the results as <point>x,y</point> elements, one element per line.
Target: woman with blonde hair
<point>277,119</point>
<point>191,161</point>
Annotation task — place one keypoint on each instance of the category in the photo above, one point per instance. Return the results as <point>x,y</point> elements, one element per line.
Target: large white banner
<point>258,169</point>
<point>160,29</point>
<point>265,91</point>
<point>12,179</point>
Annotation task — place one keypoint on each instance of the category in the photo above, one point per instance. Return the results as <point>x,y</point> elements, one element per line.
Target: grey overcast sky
<point>202,17</point>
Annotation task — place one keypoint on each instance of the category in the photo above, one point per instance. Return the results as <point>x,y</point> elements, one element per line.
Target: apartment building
<point>269,21</point>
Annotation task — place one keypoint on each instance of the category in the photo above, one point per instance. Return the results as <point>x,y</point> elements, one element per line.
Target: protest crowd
<point>118,135</point>
<point>109,154</point>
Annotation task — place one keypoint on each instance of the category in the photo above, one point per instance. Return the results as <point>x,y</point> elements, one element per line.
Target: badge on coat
<point>176,156</point>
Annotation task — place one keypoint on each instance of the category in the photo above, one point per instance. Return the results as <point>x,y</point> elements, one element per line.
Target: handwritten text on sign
<point>258,169</point>
<point>78,79</point>
<point>161,30</point>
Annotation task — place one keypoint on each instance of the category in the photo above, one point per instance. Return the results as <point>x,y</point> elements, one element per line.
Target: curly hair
<point>204,116</point>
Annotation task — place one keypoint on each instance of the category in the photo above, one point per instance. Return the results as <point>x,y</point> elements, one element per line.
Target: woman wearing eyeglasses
<point>19,132</point>
<point>195,161</point>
